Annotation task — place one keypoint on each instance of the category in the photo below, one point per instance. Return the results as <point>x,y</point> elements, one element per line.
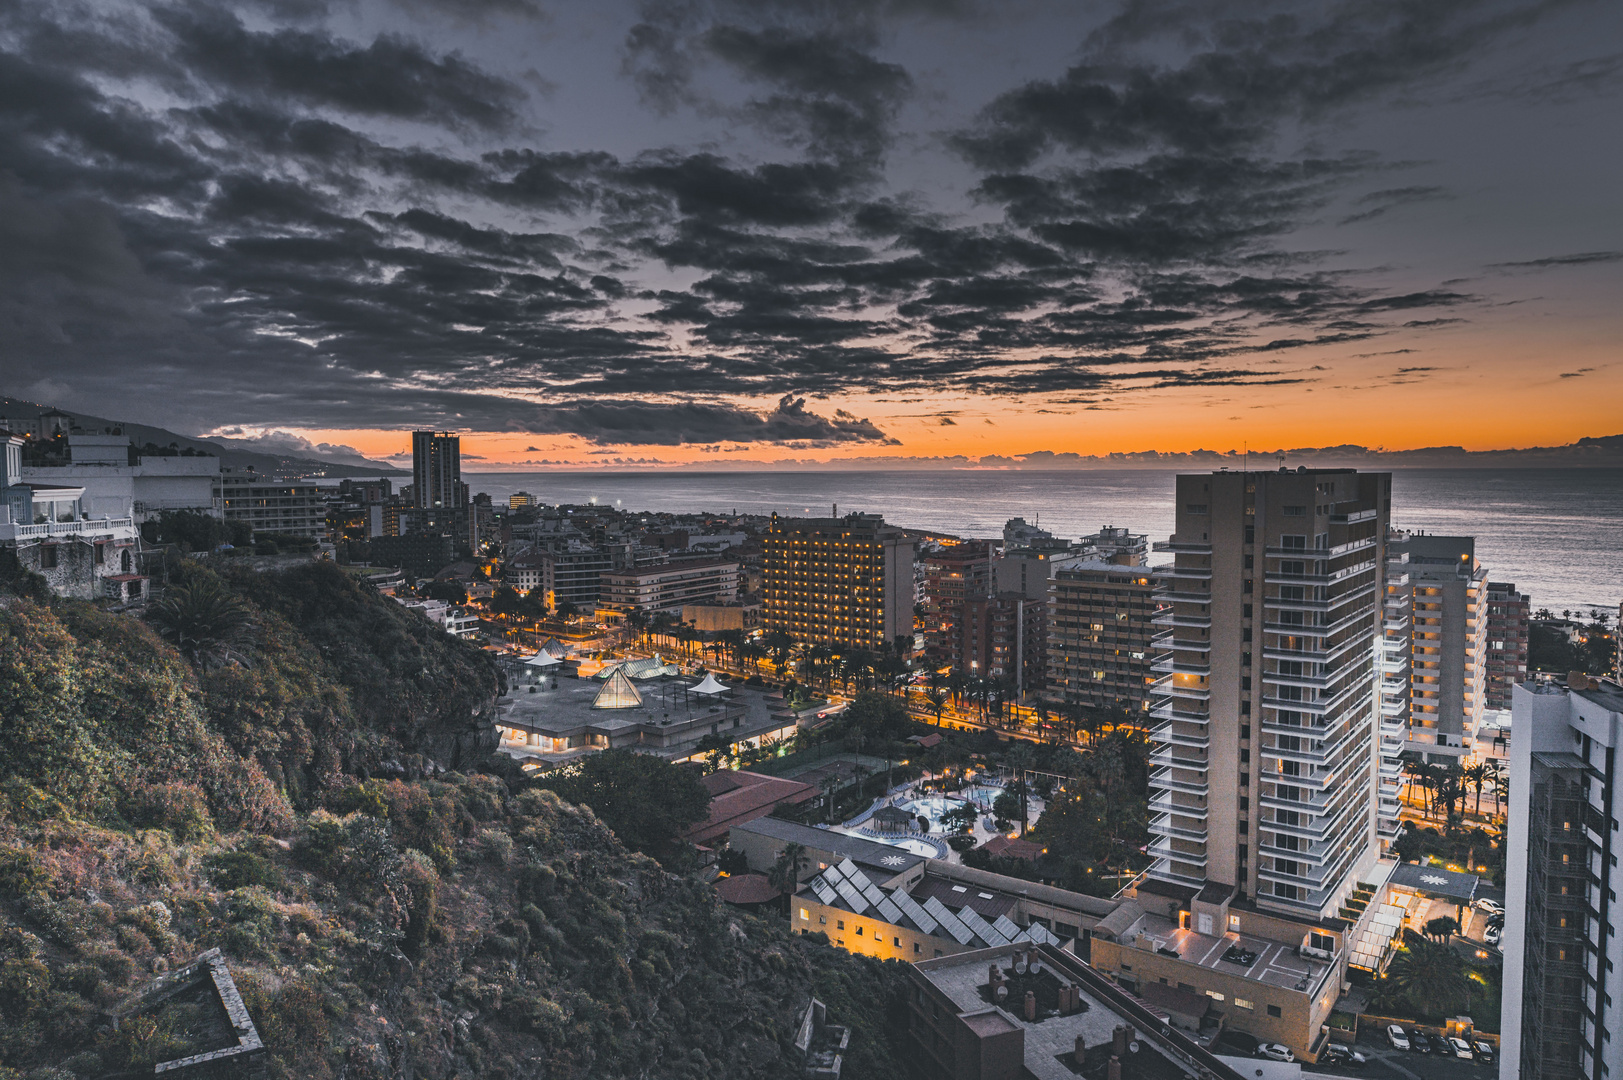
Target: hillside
<point>309,801</point>
<point>233,454</point>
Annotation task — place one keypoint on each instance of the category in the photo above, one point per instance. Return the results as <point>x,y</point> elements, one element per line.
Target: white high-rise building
<point>1563,973</point>
<point>1266,754</point>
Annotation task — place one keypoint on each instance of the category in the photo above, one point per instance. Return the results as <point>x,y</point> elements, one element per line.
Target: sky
<point>701,231</point>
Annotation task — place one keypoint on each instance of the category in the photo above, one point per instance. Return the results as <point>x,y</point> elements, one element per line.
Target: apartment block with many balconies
<point>1509,621</point>
<point>842,582</point>
<point>1265,752</point>
<point>1101,636</point>
<point>1448,663</point>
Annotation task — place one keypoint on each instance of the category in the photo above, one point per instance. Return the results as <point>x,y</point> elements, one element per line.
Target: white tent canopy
<point>709,685</point>
<point>543,659</point>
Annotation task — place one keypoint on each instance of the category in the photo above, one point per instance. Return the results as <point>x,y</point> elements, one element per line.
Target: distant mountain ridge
<point>287,466</point>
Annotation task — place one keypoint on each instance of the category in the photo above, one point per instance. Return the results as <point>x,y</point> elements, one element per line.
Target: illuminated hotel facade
<point>842,582</point>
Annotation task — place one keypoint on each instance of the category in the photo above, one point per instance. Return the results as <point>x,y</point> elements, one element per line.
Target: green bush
<point>236,869</point>
<point>22,873</point>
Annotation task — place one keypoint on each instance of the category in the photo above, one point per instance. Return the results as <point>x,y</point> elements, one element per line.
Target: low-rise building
<point>267,504</point>
<point>119,482</point>
<point>739,797</point>
<point>714,618</point>
<point>660,715</point>
<point>46,528</point>
<point>1018,1011</point>
<point>1270,975</point>
<point>669,587</point>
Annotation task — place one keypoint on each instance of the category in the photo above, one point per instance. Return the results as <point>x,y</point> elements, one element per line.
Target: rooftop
<point>1050,1040</point>
<point>668,720</point>
<point>737,797</point>
<point>974,917</point>
<point>1276,964</point>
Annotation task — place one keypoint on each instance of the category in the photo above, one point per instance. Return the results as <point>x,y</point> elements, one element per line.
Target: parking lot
<point>1389,1064</point>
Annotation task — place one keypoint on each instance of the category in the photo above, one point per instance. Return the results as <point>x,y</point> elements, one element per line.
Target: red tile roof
<point>1012,847</point>
<point>749,796</point>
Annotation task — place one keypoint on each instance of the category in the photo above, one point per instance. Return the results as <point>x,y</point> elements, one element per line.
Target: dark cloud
<point>1551,261</point>
<point>278,223</point>
<point>1377,203</point>
<point>390,77</point>
<point>651,423</point>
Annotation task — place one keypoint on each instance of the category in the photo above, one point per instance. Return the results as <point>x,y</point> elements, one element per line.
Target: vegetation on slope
<point>309,802</point>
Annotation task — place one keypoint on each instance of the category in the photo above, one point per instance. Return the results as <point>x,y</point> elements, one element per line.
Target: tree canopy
<point>644,799</point>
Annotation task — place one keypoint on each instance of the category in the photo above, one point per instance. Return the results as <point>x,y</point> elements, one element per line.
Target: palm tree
<point>1475,777</point>
<point>1430,973</point>
<point>206,621</point>
<point>779,644</point>
<point>937,697</point>
<point>784,875</point>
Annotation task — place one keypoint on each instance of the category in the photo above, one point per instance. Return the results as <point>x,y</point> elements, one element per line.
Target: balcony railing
<point>46,530</point>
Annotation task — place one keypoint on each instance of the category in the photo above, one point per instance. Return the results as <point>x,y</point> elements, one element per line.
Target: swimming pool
<point>917,847</point>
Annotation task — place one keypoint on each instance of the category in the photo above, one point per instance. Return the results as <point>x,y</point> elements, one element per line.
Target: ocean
<point>1556,533</point>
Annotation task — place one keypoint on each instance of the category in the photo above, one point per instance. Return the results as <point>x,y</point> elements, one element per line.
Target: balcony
<point>1163,849</point>
<point>1166,733</point>
<point>1162,826</point>
<point>1166,756</point>
<point>1184,573</point>
<point>121,528</point>
<point>1162,778</point>
<point>1167,617</point>
<point>1183,547</point>
<point>1163,804</point>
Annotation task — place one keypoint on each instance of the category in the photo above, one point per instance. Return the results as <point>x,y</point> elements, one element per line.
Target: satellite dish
<point>1132,1047</point>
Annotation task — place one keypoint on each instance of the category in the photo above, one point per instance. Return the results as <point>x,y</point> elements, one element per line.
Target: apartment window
<point>859,931</point>
<point>805,916</point>
<point>823,919</point>
<point>897,941</point>
<point>1195,508</point>
<point>839,924</point>
<point>1294,511</point>
<point>1273,1010</point>
<point>1214,995</point>
<point>47,557</point>
<point>1293,543</point>
<point>917,948</point>
<point>1242,1003</point>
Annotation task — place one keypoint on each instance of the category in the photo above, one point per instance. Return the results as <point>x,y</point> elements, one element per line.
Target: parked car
<point>1336,1054</point>
<point>1495,920</point>
<point>1239,1040</point>
<point>1397,1037</point>
<point>1494,935</point>
<point>1418,1042</point>
<point>1236,955</point>
<point>1275,1052</point>
<point>1492,907</point>
<point>1461,1048</point>
<point>1484,1052</point>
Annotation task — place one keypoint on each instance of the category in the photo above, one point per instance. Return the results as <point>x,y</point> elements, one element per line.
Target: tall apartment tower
<point>436,464</point>
<point>1509,620</point>
<point>1449,671</point>
<point>1563,973</point>
<point>844,582</point>
<point>1266,755</point>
